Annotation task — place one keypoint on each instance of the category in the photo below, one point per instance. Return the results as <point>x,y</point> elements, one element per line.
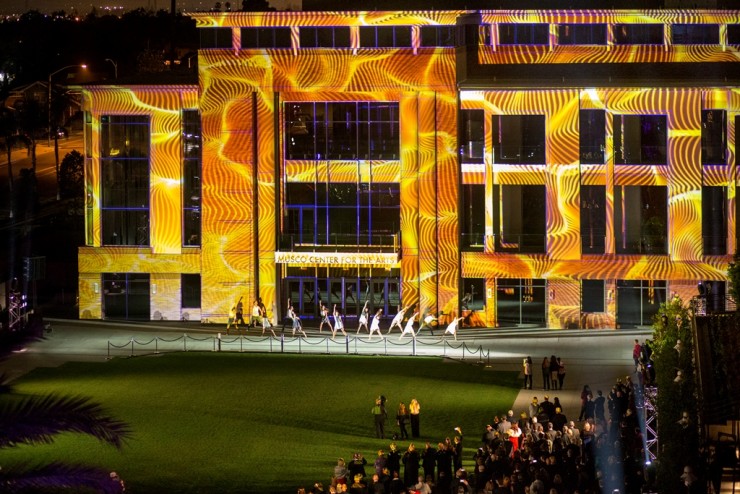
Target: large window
<point>385,36</point>
<point>126,296</point>
<point>519,139</point>
<point>638,301</point>
<point>523,34</point>
<point>438,35</point>
<point>714,220</point>
<point>640,139</point>
<point>695,34</point>
<point>519,218</point>
<point>191,173</point>
<point>190,291</point>
<point>342,131</point>
<point>592,296</point>
<point>592,136</point>
<point>125,179</point>
<point>265,37</point>
<point>582,34</point>
<point>325,37</point>
<point>215,37</point>
<point>638,34</point>
<point>341,214</point>
<point>733,34</point>
<point>473,216</point>
<point>472,136</point>
<point>641,219</point>
<point>593,219</point>
<point>520,301</point>
<point>713,137</point>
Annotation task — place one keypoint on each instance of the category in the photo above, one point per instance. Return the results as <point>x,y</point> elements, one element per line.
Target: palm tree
<point>37,420</point>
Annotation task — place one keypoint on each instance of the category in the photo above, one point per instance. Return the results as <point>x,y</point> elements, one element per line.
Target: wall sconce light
<point>154,288</point>
<point>96,287</point>
<point>552,294</point>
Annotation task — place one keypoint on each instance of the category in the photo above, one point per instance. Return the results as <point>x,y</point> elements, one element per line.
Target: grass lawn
<point>260,423</point>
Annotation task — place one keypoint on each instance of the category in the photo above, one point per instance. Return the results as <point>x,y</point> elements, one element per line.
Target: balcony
<point>341,242</point>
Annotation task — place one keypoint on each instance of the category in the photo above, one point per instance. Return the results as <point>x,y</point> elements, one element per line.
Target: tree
<point>678,424</point>
<point>32,122</point>
<point>37,420</point>
<point>72,176</point>
<point>256,6</point>
<point>8,133</point>
<point>733,274</point>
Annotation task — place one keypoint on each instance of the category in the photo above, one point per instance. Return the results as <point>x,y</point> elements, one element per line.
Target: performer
<point>324,317</point>
<point>375,325</point>
<point>296,322</point>
<point>427,323</point>
<point>452,327</point>
<point>266,324</point>
<point>363,318</point>
<point>338,323</point>
<point>409,326</point>
<point>397,320</point>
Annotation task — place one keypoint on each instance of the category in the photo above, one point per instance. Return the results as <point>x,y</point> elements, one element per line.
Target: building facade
<point>564,169</point>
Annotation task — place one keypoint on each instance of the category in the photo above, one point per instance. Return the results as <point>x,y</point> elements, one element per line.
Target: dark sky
<point>84,6</point>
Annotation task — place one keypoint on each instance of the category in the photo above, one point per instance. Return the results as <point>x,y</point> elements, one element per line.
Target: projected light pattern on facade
<point>494,220</point>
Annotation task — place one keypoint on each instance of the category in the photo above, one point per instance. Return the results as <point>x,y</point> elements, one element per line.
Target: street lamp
<point>115,67</point>
<point>48,97</point>
<point>56,137</point>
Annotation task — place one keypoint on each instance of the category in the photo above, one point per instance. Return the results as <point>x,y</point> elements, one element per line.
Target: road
<point>45,167</point>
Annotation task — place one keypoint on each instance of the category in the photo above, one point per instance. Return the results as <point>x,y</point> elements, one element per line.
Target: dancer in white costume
<point>452,327</point>
<point>363,318</point>
<point>375,325</point>
<point>397,320</point>
<point>266,324</point>
<point>338,323</point>
<point>325,317</point>
<point>409,326</point>
<point>427,323</point>
<point>297,324</point>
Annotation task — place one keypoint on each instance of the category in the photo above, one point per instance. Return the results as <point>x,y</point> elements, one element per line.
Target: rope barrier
<point>350,344</point>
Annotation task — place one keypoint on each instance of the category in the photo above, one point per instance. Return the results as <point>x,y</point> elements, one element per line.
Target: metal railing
<point>341,242</point>
<point>348,345</point>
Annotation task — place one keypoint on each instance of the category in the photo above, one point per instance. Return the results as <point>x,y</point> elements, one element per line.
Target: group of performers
<point>259,315</point>
<point>429,321</point>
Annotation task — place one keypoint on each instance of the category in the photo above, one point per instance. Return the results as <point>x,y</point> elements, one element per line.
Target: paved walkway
<point>594,357</point>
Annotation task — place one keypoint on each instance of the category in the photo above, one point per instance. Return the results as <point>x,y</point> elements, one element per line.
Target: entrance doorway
<point>348,293</point>
<point>126,296</point>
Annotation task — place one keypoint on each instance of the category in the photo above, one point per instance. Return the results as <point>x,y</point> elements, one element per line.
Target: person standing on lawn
<point>379,414</point>
<point>414,409</point>
<point>401,417</point>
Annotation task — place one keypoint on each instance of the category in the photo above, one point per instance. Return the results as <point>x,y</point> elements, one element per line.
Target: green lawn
<point>260,423</point>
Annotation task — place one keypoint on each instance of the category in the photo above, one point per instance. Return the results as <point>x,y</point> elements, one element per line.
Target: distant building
<point>564,168</point>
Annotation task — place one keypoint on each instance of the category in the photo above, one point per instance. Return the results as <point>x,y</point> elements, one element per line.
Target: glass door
<point>303,296</point>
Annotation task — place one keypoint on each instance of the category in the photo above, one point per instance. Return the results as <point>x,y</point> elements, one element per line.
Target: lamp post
<point>48,104</point>
<point>115,67</point>
<point>48,97</point>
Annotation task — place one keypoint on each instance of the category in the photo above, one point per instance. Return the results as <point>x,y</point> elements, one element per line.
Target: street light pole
<point>48,94</point>
<point>115,67</point>
<point>48,115</point>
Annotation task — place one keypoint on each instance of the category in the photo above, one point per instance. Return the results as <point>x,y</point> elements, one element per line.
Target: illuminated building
<point>552,168</point>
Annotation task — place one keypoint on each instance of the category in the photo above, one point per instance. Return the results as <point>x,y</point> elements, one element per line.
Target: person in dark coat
<point>429,460</point>
<point>393,463</point>
<point>410,465</point>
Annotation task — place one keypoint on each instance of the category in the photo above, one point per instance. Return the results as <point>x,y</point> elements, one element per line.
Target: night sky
<point>84,7</point>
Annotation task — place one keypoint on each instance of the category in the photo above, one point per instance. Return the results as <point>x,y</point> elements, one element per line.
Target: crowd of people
<point>539,451</point>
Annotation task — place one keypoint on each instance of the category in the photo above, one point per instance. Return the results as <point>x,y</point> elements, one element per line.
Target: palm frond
<point>37,419</point>
<point>57,476</point>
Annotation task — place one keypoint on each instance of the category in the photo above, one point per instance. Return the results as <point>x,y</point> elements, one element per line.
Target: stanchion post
<point>132,347</point>
<point>413,347</point>
<point>156,346</point>
<point>109,350</point>
<point>282,342</point>
<point>185,341</point>
<point>218,341</point>
<point>346,343</point>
